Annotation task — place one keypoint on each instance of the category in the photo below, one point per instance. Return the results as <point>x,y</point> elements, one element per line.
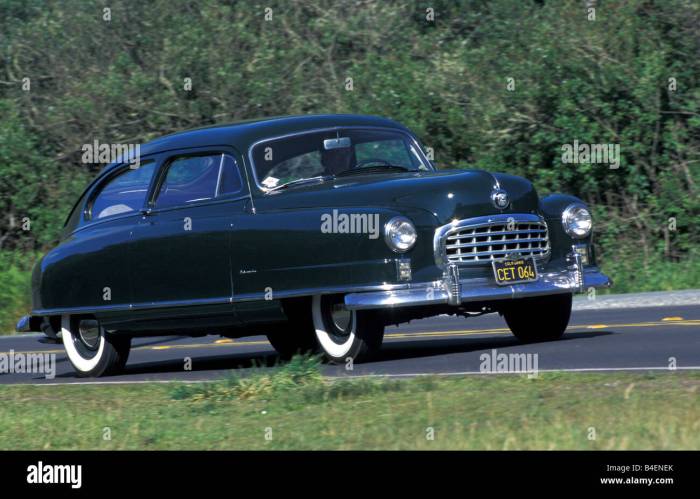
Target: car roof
<point>242,134</point>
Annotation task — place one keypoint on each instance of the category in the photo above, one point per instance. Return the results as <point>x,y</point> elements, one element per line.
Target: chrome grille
<point>497,239</point>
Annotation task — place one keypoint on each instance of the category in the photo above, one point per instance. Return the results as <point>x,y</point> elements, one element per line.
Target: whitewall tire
<point>344,334</point>
<point>91,349</point>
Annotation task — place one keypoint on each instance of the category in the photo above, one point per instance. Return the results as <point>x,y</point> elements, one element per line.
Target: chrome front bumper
<point>453,291</point>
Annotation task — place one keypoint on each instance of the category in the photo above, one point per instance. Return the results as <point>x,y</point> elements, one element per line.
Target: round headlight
<point>577,221</point>
<point>400,234</point>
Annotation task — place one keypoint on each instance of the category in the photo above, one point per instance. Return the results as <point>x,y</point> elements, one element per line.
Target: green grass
<point>297,409</point>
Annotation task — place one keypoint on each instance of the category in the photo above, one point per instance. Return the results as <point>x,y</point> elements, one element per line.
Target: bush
<point>631,77</point>
<point>298,382</point>
<point>15,297</point>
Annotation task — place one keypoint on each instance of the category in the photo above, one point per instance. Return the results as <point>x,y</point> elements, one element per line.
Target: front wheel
<point>541,318</point>
<point>91,349</point>
<point>345,334</point>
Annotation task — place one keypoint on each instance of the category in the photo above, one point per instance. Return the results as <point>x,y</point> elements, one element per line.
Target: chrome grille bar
<point>485,239</point>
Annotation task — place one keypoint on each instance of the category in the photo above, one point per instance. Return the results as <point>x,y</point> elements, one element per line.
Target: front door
<point>180,256</point>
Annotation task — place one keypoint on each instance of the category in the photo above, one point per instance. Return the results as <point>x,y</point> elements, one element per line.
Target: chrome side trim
<point>476,290</point>
<point>244,297</point>
<point>295,293</point>
<point>382,295</point>
<point>133,306</point>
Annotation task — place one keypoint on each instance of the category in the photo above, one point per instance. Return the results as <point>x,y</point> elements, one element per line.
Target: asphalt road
<point>605,340</point>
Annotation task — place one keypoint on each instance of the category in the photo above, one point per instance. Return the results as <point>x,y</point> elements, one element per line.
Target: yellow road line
<point>464,332</point>
<point>417,334</point>
<point>206,345</point>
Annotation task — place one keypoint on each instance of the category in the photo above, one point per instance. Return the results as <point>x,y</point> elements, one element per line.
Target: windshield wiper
<point>372,169</point>
<point>321,178</point>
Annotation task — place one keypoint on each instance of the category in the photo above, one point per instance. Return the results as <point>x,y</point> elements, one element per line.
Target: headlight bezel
<point>390,230</point>
<point>570,215</point>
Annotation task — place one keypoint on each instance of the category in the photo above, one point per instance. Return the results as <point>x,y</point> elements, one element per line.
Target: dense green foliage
<point>630,77</point>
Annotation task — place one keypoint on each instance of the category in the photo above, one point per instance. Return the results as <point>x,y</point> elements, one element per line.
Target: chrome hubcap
<point>341,317</point>
<point>89,332</point>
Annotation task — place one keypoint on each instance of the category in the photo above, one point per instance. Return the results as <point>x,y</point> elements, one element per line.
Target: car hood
<point>448,194</point>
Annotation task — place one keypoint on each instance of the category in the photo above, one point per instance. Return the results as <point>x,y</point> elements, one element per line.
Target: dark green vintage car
<point>316,231</point>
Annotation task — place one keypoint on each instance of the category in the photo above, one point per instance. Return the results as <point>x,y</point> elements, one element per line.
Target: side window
<point>189,179</point>
<point>75,216</point>
<point>124,193</point>
<point>230,181</point>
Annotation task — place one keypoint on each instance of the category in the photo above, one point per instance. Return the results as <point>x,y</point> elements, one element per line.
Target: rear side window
<point>124,193</point>
<point>75,216</point>
<point>190,179</point>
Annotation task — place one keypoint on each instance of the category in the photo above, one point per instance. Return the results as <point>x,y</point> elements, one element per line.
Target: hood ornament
<point>500,199</point>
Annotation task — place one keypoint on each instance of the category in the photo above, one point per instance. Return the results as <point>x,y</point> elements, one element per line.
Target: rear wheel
<point>297,337</point>
<point>91,349</point>
<point>541,318</point>
<point>342,333</point>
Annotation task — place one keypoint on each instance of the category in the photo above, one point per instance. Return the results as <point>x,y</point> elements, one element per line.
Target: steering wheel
<point>369,161</point>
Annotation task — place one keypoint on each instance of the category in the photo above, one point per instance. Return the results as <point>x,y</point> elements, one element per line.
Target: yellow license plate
<point>514,271</point>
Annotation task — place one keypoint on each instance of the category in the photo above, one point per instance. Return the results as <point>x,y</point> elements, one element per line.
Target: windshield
<point>322,155</point>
